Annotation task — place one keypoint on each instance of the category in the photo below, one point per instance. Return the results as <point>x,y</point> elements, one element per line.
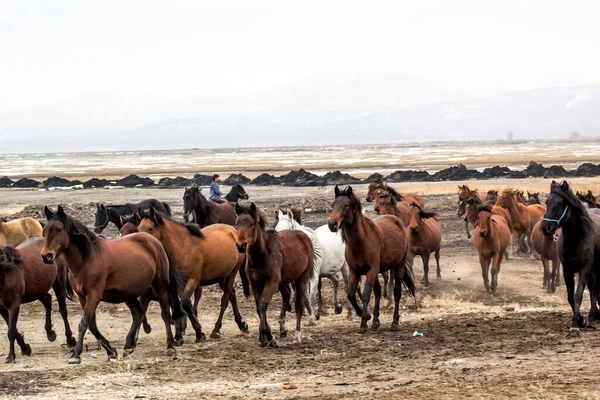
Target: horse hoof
<point>178,342</point>
<point>113,354</point>
<point>147,329</point>
<point>574,332</point>
<point>591,324</point>
<point>273,343</point>
<point>10,359</point>
<point>312,322</point>
<point>71,342</point>
<point>283,334</point>
<point>51,335</point>
<point>215,335</point>
<point>128,351</point>
<point>74,360</point>
<point>395,327</point>
<point>200,338</point>
<point>243,327</point>
<point>363,329</point>
<point>171,352</point>
<point>289,308</point>
<point>376,325</point>
<point>338,309</point>
<point>26,350</point>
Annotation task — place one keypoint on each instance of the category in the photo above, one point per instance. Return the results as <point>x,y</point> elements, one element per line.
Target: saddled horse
<point>236,194</point>
<point>201,257</point>
<point>579,248</point>
<point>379,184</point>
<point>25,278</point>
<point>15,232</point>
<point>547,248</point>
<point>491,238</point>
<point>113,213</point>
<point>372,246</point>
<point>114,271</point>
<point>205,212</point>
<point>425,237</point>
<point>274,260</point>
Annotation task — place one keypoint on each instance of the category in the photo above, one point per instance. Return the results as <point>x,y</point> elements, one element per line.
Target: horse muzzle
<point>483,234</point>
<point>548,228</point>
<point>48,258</point>
<point>242,247</point>
<point>414,229</point>
<point>333,226</point>
<point>376,209</point>
<point>369,199</point>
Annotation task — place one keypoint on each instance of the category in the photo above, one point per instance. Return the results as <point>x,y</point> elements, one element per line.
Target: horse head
<point>346,209</point>
<point>558,203</point>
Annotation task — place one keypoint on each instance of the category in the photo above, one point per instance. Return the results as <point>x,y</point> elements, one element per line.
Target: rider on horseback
<point>215,194</point>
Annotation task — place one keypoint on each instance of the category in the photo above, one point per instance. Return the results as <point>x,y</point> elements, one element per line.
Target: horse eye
<point>60,229</point>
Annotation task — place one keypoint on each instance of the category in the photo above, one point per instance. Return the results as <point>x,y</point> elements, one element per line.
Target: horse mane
<point>423,214</point>
<point>474,200</point>
<point>484,207</point>
<point>569,197</point>
<point>9,258</point>
<point>394,193</point>
<point>354,201</point>
<point>492,191</point>
<point>159,218</point>
<point>85,240</point>
<point>261,218</point>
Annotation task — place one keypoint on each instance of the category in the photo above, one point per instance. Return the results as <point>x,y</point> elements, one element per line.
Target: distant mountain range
<point>312,112</point>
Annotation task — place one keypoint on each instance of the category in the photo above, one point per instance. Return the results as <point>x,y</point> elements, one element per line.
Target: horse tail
<point>68,288</point>
<point>167,208</point>
<point>408,279</point>
<point>244,278</point>
<point>176,284</point>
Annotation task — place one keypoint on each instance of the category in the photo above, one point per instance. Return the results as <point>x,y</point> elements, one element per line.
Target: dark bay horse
<point>206,212</point>
<point>274,260</point>
<point>425,238</point>
<point>236,194</point>
<point>201,257</point>
<point>491,238</point>
<point>25,278</point>
<point>492,196</point>
<point>578,245</point>
<point>113,213</point>
<point>114,271</point>
<point>533,198</point>
<point>372,247</point>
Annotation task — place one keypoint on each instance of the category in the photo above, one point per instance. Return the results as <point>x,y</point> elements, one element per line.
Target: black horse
<point>205,212</point>
<point>579,248</point>
<point>113,213</point>
<point>237,193</point>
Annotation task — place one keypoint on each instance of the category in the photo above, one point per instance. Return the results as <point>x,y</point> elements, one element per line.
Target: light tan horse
<point>15,232</point>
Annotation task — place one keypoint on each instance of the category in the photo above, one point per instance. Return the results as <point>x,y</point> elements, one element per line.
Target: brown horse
<point>24,278</point>
<point>401,206</point>
<point>372,247</point>
<point>520,197</point>
<point>202,258</point>
<point>523,217</point>
<point>491,238</point>
<point>533,198</point>
<point>473,205</point>
<point>464,194</point>
<point>425,238</point>
<point>379,184</point>
<point>492,196</point>
<point>114,271</point>
<point>206,212</point>
<point>15,232</point>
<point>547,248</point>
<point>274,260</point>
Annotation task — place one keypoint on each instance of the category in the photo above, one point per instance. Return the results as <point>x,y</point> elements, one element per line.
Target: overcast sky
<point>152,52</point>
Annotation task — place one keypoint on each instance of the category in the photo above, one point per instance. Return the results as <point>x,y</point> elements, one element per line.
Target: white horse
<point>332,257</point>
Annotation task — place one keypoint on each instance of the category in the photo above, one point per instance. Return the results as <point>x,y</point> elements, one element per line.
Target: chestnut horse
<point>114,271</point>
<point>473,205</point>
<point>274,260</point>
<point>202,258</point>
<point>464,194</point>
<point>24,278</point>
<point>547,248</point>
<point>491,238</point>
<point>372,247</point>
<point>402,205</point>
<point>206,212</point>
<point>15,232</point>
<point>523,217</point>
<point>425,238</point>
<point>578,248</point>
<point>379,184</point>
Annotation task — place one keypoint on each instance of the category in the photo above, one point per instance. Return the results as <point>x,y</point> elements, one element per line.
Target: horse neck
<point>74,258</point>
<point>174,237</point>
<point>355,234</point>
<point>577,227</point>
<point>257,251</point>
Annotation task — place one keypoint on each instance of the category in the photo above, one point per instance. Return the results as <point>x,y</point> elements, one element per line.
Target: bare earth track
<point>474,344</point>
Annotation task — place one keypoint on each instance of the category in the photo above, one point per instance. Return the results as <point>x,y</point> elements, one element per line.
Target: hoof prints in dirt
<point>12,383</point>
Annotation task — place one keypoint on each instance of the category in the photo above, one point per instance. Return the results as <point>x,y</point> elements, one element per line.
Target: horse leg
<point>485,265</point>
<point>333,277</point>
<point>25,348</point>
<point>377,291</point>
<point>593,289</point>
<point>13,315</point>
<point>216,333</point>
<point>467,229</point>
<point>144,302</point>
<point>496,261</point>
<point>265,336</point>
<point>285,300</point>
<point>398,270</point>
<point>371,277</point>
<point>425,257</point>
<point>438,271</point>
<point>301,284</point>
<point>320,310</point>
<point>137,315</point>
<point>165,313</point>
<point>556,271</point>
<point>344,271</point>
<point>62,308</point>
<point>578,321</point>
<point>190,287</point>
<point>352,284</point>
<point>311,301</point>
<point>234,305</point>
<point>197,297</point>
<point>391,284</point>
<point>386,279</point>
<point>88,320</point>
<point>531,252</point>
<point>46,300</point>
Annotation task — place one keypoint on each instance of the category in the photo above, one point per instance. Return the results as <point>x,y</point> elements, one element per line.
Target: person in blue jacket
<point>215,193</point>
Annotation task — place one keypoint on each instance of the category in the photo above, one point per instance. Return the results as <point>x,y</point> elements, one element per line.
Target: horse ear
<point>152,211</point>
<point>238,209</point>
<point>290,214</point>
<point>60,212</point>
<point>253,210</point>
<point>564,186</point>
<point>279,214</point>
<point>336,191</point>
<point>140,212</point>
<point>49,214</point>
<point>349,191</point>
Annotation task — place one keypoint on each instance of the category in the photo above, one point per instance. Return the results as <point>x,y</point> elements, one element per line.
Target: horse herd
<point>160,259</point>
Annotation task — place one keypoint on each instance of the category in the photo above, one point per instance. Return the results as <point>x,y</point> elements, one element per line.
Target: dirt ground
<point>474,345</point>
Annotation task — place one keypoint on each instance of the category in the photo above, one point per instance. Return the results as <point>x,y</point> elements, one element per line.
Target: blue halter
<point>557,220</point>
